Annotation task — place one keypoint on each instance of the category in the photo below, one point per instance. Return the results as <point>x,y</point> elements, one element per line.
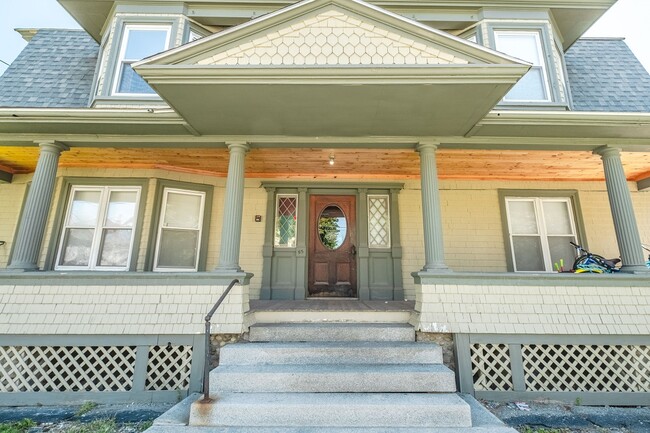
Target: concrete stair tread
<point>333,378</point>
<point>328,331</point>
<point>286,429</point>
<point>333,410</point>
<point>334,352</point>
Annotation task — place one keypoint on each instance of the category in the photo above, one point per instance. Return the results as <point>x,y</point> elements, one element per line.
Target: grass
<point>528,429</point>
<point>17,427</point>
<point>97,426</point>
<point>86,407</point>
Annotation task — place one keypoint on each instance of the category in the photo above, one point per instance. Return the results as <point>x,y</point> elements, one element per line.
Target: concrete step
<point>312,378</point>
<point>331,352</point>
<point>332,332</point>
<point>317,316</point>
<point>332,410</point>
<point>176,419</point>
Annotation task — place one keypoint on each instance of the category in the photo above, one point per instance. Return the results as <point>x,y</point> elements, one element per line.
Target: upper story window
<point>138,41</point>
<point>527,46</point>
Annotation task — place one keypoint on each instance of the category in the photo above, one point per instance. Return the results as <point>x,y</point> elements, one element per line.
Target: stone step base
<point>284,332</point>
<point>176,419</point>
<point>331,352</point>
<point>332,410</point>
<point>313,378</point>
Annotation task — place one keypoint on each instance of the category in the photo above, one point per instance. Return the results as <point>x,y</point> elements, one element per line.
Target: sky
<point>627,18</point>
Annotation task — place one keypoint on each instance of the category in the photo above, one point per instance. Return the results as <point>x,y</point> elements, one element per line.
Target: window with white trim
<point>98,228</point>
<point>527,46</point>
<point>378,221</point>
<point>138,42</point>
<point>180,227</point>
<point>286,219</point>
<point>540,229</point>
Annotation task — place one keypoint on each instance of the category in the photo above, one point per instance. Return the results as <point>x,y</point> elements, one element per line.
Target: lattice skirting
<point>590,369</point>
<point>51,369</point>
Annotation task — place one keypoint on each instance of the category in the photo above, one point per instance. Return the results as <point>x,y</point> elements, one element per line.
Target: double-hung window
<point>138,41</point>
<point>540,229</point>
<point>98,229</point>
<point>527,46</point>
<point>179,230</point>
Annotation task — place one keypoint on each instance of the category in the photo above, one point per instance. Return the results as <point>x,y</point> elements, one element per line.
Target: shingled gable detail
<point>330,33</point>
<point>333,37</point>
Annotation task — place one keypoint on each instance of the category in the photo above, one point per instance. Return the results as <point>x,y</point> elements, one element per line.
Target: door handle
<point>353,250</point>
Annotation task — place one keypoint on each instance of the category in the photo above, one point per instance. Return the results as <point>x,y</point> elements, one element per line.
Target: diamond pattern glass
<point>378,222</point>
<point>286,216</point>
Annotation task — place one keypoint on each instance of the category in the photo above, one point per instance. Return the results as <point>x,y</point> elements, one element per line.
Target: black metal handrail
<point>206,366</point>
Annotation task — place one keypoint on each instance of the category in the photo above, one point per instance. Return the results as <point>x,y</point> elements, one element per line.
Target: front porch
<point>501,331</point>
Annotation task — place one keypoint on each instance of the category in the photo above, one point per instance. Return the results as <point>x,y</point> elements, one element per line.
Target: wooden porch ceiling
<point>313,163</point>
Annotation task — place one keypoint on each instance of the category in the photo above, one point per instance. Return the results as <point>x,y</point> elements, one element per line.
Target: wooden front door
<point>332,249</point>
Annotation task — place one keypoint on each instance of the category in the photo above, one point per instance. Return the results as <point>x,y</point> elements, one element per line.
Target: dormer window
<point>527,46</point>
<point>138,41</point>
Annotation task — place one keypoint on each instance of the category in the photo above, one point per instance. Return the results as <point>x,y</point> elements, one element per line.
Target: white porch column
<point>432,216</point>
<point>620,202</point>
<point>37,207</point>
<point>233,209</point>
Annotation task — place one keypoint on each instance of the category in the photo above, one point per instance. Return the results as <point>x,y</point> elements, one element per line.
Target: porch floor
<point>330,310</point>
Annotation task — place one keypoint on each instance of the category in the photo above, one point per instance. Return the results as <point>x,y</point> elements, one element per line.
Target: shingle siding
<point>55,69</point>
<point>605,75</point>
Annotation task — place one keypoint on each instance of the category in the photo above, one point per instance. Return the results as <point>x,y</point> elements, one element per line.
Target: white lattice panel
<point>333,38</point>
<point>587,368</point>
<point>169,368</point>
<point>491,369</point>
<point>66,368</point>
<point>378,222</point>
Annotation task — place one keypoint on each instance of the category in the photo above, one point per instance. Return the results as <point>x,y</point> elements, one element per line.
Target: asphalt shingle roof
<point>604,75</point>
<point>55,69</point>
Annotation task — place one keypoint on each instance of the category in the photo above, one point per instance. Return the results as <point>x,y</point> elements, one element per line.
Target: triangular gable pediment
<point>334,37</point>
<point>330,33</point>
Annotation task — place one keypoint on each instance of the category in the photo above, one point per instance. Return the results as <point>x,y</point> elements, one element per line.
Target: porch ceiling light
<point>331,159</point>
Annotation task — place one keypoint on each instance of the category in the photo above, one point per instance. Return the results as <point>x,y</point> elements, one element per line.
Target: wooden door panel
<point>332,252</point>
<point>343,273</point>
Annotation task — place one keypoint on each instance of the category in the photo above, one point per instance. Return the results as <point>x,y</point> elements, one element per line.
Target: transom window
<point>98,229</point>
<point>179,230</point>
<point>540,230</point>
<point>286,218</point>
<point>527,46</point>
<point>138,42</point>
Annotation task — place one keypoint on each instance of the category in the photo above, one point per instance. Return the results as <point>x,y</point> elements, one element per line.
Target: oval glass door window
<point>332,227</point>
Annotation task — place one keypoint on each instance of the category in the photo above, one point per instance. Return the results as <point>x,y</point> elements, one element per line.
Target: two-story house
<point>422,163</point>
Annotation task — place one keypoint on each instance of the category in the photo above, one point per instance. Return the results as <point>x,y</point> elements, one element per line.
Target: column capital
<point>424,146</point>
<point>238,145</point>
<point>607,151</point>
<point>52,146</point>
<point>302,190</point>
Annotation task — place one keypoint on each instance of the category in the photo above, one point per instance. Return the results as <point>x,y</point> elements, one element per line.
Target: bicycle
<point>587,262</point>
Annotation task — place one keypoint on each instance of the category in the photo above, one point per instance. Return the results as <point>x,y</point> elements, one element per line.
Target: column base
<point>18,268</point>
<point>437,268</point>
<point>635,269</point>
<point>225,276</point>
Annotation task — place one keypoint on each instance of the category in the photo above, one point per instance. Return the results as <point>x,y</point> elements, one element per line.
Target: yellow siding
<point>473,234</point>
<point>11,199</point>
